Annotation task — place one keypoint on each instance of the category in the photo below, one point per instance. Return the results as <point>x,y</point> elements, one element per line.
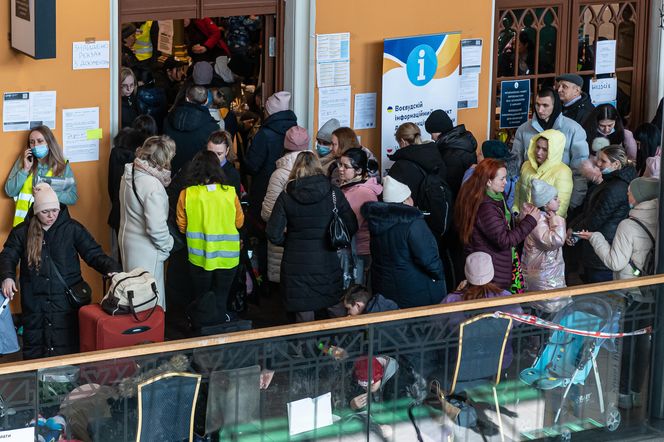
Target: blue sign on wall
<point>514,103</point>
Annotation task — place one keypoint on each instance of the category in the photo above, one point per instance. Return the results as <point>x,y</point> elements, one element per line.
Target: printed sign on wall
<point>420,75</point>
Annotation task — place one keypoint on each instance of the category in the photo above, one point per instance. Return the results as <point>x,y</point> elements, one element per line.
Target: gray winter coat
<point>576,149</point>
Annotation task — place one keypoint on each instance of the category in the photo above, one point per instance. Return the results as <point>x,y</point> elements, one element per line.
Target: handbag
<point>339,237</point>
<point>131,293</point>
<point>79,294</point>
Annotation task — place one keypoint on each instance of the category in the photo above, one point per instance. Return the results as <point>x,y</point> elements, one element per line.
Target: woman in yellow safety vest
<point>209,214</point>
<point>41,161</point>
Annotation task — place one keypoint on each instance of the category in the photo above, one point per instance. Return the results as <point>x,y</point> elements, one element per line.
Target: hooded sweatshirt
<point>357,194</point>
<point>552,171</point>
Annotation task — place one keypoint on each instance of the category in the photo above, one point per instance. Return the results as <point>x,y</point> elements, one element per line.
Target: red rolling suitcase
<point>100,331</point>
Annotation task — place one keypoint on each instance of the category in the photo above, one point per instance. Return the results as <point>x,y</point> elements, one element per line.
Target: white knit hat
<point>394,191</point>
<point>277,102</point>
<point>479,268</point>
<point>542,192</point>
<point>45,198</point>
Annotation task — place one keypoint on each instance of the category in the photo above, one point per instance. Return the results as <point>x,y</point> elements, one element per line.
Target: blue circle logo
<point>421,65</point>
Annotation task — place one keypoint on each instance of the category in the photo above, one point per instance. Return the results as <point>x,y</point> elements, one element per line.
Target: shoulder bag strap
<point>652,238</point>
<point>57,273</point>
<point>133,184</point>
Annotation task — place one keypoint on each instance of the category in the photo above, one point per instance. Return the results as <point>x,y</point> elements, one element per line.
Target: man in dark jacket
<point>406,267</point>
<point>576,104</point>
<point>189,125</point>
<point>456,145</point>
<point>267,147</point>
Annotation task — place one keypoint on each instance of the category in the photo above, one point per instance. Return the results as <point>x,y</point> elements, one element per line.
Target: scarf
<point>500,196</point>
<point>163,175</point>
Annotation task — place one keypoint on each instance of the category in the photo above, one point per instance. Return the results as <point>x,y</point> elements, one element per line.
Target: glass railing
<point>488,369</point>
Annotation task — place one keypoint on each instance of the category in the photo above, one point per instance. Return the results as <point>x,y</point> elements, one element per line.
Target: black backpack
<point>435,200</point>
<point>649,263</point>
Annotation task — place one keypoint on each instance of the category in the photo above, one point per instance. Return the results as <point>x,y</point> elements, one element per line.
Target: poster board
<point>420,75</point>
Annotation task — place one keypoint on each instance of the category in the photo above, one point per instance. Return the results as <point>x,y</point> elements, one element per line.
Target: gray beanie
<point>541,192</point>
<point>325,131</point>
<point>644,189</point>
<point>203,73</point>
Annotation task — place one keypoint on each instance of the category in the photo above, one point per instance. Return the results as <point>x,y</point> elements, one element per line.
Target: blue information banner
<point>514,103</point>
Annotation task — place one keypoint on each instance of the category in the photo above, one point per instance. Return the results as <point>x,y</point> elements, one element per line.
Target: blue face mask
<point>607,170</point>
<point>323,150</point>
<point>606,135</point>
<point>631,206</point>
<point>40,151</point>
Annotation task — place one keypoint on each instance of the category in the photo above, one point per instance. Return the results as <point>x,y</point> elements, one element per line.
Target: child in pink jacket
<point>543,264</point>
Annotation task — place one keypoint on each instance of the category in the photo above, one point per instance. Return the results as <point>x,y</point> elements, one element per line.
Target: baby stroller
<point>567,360</point>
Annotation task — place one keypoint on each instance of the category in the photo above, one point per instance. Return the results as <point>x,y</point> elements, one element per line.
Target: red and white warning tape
<point>539,322</point>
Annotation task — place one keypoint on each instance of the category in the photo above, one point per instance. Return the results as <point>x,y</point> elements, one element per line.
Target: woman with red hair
<point>485,223</point>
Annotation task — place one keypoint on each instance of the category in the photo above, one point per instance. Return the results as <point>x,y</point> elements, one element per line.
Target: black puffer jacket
<point>189,125</point>
<point>580,110</point>
<point>457,149</point>
<point>311,277</point>
<point>603,209</point>
<point>50,323</point>
<point>403,170</point>
<point>405,264</point>
<point>261,157</point>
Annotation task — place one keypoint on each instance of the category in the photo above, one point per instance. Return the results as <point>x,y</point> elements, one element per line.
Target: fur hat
<point>45,198</point>
<point>438,122</point>
<point>203,73</point>
<point>325,131</point>
<point>296,139</point>
<point>541,192</point>
<point>277,102</point>
<point>644,189</point>
<point>479,268</point>
<point>394,191</point>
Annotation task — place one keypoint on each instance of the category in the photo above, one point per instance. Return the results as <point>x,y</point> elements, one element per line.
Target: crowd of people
<point>198,184</point>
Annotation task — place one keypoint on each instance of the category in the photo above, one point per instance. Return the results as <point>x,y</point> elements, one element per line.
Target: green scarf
<point>500,196</point>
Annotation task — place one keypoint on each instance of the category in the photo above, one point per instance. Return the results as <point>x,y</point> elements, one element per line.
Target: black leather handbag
<point>79,294</point>
<point>339,237</point>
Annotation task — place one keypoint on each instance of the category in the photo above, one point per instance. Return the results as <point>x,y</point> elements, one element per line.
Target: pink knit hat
<point>296,139</point>
<point>277,102</point>
<point>45,198</point>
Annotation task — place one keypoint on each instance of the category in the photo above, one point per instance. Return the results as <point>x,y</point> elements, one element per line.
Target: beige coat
<point>277,184</point>
<point>144,238</point>
<point>630,242</point>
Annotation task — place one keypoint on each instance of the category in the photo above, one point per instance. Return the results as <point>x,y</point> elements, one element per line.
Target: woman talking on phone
<point>42,160</point>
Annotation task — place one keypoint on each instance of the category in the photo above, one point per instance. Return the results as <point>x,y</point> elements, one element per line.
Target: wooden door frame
<point>568,47</point>
<point>563,34</point>
<point>637,100</point>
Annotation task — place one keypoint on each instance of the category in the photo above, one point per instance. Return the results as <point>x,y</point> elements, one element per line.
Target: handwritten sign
<point>95,55</point>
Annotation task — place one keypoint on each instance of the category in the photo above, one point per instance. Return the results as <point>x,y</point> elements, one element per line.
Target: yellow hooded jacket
<point>553,171</point>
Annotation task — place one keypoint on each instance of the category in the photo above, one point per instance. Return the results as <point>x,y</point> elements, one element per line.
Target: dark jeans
<point>218,281</point>
<point>635,361</point>
<point>597,275</point>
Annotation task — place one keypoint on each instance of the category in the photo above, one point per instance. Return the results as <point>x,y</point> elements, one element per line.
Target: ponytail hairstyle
<point>616,152</point>
<point>35,239</point>
<point>410,133</point>
<point>472,194</point>
<point>358,159</point>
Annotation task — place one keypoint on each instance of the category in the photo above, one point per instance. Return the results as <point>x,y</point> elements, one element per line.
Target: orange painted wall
<point>76,21</point>
<point>369,22</point>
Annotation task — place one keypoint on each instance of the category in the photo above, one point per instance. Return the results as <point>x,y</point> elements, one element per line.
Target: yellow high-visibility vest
<point>143,46</point>
<point>25,198</point>
<point>213,241</point>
